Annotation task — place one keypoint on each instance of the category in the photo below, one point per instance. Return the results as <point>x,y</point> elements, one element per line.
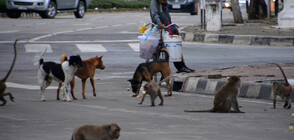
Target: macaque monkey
<point>2,82</point>
<point>153,89</point>
<point>225,98</point>
<point>94,132</point>
<point>282,89</point>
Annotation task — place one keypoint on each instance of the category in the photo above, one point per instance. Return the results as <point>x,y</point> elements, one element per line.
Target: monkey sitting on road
<point>94,132</point>
<point>225,98</point>
<point>2,82</point>
<point>282,89</point>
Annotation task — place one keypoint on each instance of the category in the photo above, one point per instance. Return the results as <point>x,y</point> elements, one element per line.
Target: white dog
<point>60,72</point>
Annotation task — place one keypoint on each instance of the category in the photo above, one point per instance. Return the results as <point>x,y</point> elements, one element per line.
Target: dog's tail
<point>63,58</point>
<point>39,59</point>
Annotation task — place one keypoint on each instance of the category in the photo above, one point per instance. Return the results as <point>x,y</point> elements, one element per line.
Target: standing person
<point>160,16</point>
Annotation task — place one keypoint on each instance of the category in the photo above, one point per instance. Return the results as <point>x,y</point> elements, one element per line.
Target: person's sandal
<point>184,69</point>
<point>190,69</point>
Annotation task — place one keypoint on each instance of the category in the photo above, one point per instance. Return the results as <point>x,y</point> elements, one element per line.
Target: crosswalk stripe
<point>82,47</point>
<point>37,47</point>
<point>135,46</point>
<point>91,48</point>
<point>25,86</point>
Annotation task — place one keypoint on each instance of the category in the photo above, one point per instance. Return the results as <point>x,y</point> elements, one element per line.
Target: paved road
<point>30,119</point>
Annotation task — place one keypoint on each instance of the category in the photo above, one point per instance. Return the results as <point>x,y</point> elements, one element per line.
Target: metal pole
<point>202,7</point>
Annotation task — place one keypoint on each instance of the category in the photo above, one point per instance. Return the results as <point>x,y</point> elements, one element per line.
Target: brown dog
<point>88,71</point>
<point>145,72</point>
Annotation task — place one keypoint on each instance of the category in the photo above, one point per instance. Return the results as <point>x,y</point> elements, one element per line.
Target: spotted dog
<point>62,73</point>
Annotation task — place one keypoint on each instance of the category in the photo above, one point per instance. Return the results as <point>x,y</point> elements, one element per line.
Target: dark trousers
<point>179,65</point>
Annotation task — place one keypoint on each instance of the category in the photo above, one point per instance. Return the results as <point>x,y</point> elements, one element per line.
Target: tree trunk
<point>254,9</point>
<point>236,11</point>
<point>263,7</point>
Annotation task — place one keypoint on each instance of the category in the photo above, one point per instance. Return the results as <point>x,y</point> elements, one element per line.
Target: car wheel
<point>50,12</point>
<point>13,14</point>
<point>81,9</point>
<point>195,9</point>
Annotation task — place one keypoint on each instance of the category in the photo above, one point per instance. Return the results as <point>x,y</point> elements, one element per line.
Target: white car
<point>46,8</point>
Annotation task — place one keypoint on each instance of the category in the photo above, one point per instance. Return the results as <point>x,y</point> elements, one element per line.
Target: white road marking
<point>70,31</point>
<point>135,46</point>
<point>49,35</point>
<point>23,86</point>
<point>12,31</point>
<point>37,47</point>
<point>62,42</point>
<point>127,32</point>
<point>36,87</point>
<point>91,48</point>
<point>117,25</point>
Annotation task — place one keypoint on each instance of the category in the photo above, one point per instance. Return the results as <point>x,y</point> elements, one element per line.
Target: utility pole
<point>202,10</point>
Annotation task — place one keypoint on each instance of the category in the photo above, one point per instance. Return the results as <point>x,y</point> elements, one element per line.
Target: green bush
<point>2,6</point>
<point>105,4</point>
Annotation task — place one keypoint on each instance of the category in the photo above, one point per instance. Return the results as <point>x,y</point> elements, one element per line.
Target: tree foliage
<point>2,6</point>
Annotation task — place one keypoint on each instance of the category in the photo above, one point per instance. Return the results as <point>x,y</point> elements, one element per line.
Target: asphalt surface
<point>257,79</point>
<point>28,118</point>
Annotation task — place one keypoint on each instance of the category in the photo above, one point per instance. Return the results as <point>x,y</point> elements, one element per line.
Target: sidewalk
<point>252,32</point>
<point>256,80</point>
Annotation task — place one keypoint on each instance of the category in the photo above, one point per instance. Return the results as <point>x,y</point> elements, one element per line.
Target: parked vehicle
<point>190,6</point>
<point>46,8</point>
<point>227,4</point>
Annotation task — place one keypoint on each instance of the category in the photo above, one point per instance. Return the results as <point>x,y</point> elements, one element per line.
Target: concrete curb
<point>210,86</point>
<point>238,39</point>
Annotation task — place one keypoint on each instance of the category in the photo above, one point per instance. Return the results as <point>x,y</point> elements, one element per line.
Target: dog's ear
<point>130,80</point>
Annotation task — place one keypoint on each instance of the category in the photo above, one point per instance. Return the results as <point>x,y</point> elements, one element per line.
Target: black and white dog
<point>62,73</point>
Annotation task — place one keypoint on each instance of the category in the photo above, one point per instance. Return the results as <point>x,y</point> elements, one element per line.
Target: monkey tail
<point>195,111</point>
<point>171,76</point>
<point>13,62</point>
<point>285,78</point>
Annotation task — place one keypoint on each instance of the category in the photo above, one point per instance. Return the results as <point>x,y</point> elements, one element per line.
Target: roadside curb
<point>238,39</point>
<point>211,86</point>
